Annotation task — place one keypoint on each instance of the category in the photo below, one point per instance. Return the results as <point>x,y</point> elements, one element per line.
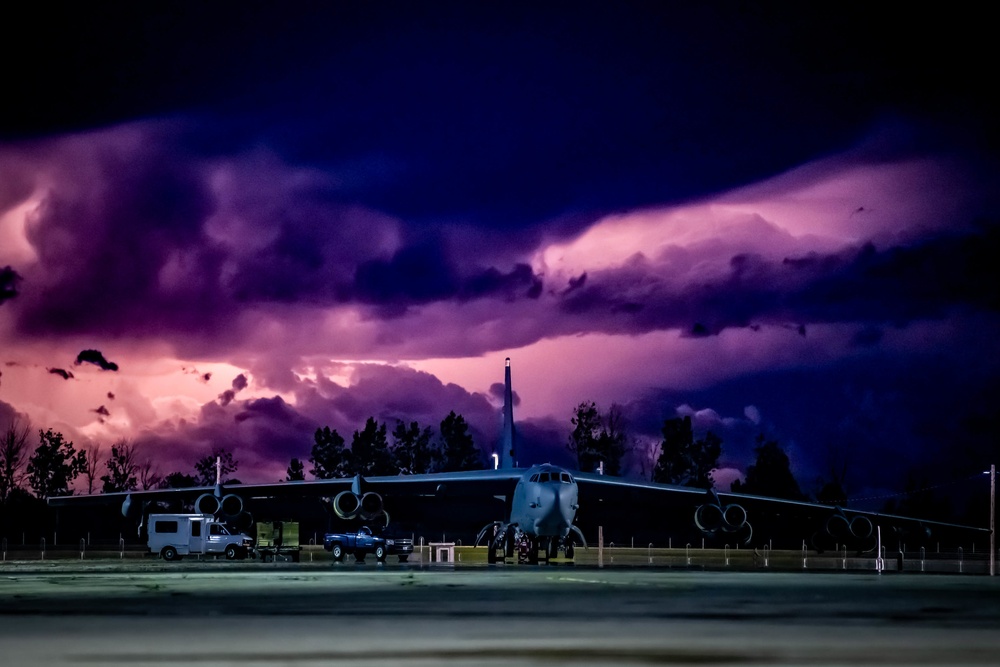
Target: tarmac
<point>222,613</point>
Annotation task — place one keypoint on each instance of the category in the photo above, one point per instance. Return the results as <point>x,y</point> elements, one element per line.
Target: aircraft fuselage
<point>545,502</point>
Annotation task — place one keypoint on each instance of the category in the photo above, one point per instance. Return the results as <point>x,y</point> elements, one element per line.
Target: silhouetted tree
<point>296,471</point>
<point>329,457</point>
<point>54,465</point>
<point>13,457</point>
<point>771,475</point>
<point>833,491</point>
<point>179,480</point>
<point>459,452</point>
<point>149,475</point>
<point>122,468</point>
<point>684,460</point>
<point>598,438</point>
<point>370,447</point>
<point>412,449</point>
<point>205,467</point>
<point>92,454</point>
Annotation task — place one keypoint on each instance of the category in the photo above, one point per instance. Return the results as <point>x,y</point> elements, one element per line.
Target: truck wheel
<point>231,552</point>
<point>380,553</point>
<point>403,557</point>
<point>169,554</point>
<point>338,552</point>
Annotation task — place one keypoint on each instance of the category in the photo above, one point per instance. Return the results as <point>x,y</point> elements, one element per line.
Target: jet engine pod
<point>127,505</point>
<point>242,521</point>
<point>734,517</point>
<point>708,518</point>
<point>838,527</point>
<point>206,504</point>
<point>371,505</point>
<point>231,505</point>
<point>861,527</point>
<point>346,505</point>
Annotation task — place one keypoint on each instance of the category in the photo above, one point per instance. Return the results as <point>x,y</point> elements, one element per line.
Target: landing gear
<point>552,549</point>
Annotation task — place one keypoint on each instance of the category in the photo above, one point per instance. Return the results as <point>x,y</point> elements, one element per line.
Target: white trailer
<point>175,535</point>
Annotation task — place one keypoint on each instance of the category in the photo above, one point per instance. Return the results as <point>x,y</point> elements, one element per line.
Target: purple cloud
<point>96,358</point>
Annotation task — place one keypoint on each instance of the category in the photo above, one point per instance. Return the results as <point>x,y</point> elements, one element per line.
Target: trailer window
<point>164,526</point>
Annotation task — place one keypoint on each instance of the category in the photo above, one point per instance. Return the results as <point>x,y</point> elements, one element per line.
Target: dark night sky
<point>777,218</point>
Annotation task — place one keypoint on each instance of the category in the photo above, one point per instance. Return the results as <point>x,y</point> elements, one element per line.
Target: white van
<point>176,535</point>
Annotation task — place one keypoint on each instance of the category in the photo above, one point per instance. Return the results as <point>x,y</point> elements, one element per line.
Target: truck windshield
<point>216,529</point>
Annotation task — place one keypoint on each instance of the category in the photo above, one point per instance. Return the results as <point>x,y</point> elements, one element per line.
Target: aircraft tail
<point>508,450</point>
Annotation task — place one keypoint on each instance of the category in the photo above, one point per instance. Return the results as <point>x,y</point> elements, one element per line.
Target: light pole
<point>992,472</point>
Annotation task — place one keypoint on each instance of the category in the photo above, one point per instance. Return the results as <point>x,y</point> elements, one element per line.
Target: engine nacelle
<point>231,505</point>
<point>861,527</point>
<point>127,505</point>
<point>708,518</point>
<point>207,504</point>
<point>346,505</point>
<point>371,506</point>
<point>711,519</point>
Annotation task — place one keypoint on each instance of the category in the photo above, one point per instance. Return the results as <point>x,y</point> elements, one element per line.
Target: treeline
<point>413,450</point>
<point>600,441</point>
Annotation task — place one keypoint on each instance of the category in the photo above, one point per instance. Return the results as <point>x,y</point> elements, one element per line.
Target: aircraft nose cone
<point>559,512</point>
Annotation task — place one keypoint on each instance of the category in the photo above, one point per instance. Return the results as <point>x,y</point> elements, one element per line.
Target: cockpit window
<point>565,478</point>
<point>545,477</point>
<point>534,478</point>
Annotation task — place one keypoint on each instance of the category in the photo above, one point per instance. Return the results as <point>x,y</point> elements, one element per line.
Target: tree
<point>296,471</point>
<point>412,451</point>
<point>179,480</point>
<point>92,453</point>
<point>149,476</point>
<point>329,457</point>
<point>205,467</point>
<point>13,456</point>
<point>771,475</point>
<point>598,440</point>
<point>122,468</point>
<point>684,460</point>
<point>586,432</point>
<point>370,448</point>
<point>54,465</point>
<point>458,450</point>
<point>837,461</point>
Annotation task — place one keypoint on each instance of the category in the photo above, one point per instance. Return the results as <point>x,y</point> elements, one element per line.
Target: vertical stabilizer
<point>508,455</point>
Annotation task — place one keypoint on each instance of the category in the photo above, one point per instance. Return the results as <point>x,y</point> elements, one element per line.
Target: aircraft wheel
<point>552,550</point>
<point>570,550</point>
<point>359,556</point>
<point>338,552</point>
<point>169,554</point>
<point>403,558</point>
<point>232,552</point>
<point>380,553</point>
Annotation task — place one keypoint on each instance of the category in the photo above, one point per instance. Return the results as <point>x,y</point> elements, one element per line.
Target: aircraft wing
<point>476,482</point>
<point>742,517</point>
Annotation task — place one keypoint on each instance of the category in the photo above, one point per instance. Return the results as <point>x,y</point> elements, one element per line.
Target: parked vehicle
<point>173,536</point>
<point>401,547</point>
<point>360,544</point>
<point>277,539</point>
<point>364,541</point>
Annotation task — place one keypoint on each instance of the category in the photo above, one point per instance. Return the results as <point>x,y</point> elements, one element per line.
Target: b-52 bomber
<point>542,505</point>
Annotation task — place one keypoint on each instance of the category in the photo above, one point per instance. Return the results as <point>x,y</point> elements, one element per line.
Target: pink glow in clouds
<point>249,265</point>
